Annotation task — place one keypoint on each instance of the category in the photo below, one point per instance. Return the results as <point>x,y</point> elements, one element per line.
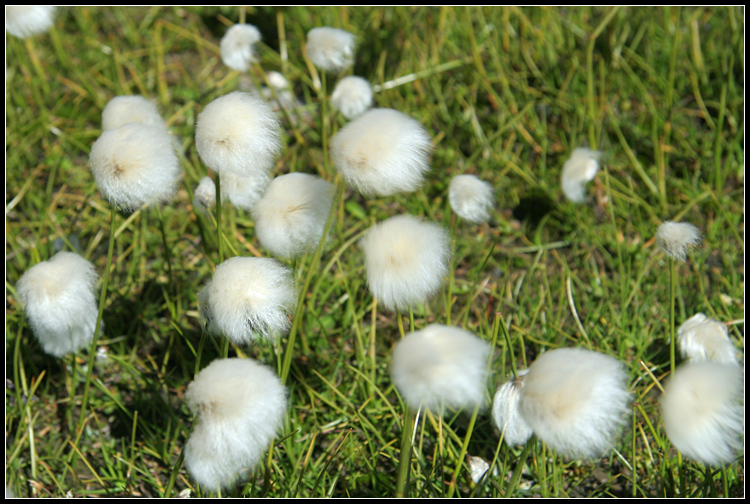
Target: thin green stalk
<point>462,454</point>
<point>95,341</point>
<point>308,278</point>
<point>218,217</point>
<point>671,316</point>
<point>404,460</point>
<point>519,467</point>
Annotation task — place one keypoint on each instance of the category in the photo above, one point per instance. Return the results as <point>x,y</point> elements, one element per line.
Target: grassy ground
<point>506,94</point>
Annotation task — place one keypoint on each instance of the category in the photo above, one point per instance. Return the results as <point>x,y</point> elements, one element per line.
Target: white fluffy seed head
<point>506,413</point>
<point>576,401</point>
<point>60,303</point>
<point>579,169</point>
<point>23,21</point>
<point>134,165</point>
<point>406,260</point>
<point>244,191</point>
<point>382,152</point>
<point>204,196</point>
<point>238,133</point>
<point>677,238</point>
<point>703,411</point>
<point>441,366</point>
<point>240,406</point>
<point>471,198</point>
<point>352,96</point>
<point>237,46</point>
<point>330,49</point>
<point>122,110</point>
<point>701,338</point>
<point>291,216</point>
<point>249,298</point>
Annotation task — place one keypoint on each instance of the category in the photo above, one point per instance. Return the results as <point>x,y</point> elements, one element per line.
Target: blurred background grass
<point>507,94</point>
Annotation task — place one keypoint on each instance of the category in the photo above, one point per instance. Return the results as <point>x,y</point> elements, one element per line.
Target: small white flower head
<point>248,298</point>
<point>23,21</point>
<point>505,412</point>
<point>134,165</point>
<point>277,81</point>
<point>701,338</point>
<point>703,411</point>
<point>240,407</point>
<point>382,152</point>
<point>677,238</point>
<point>479,468</point>
<point>441,367</point>
<point>238,46</point>
<point>238,133</point>
<point>406,260</point>
<point>60,303</point>
<point>579,169</point>
<point>122,110</point>
<point>291,216</point>
<point>330,49</point>
<point>244,191</point>
<point>576,401</point>
<point>204,196</point>
<point>471,198</point>
<point>352,96</point>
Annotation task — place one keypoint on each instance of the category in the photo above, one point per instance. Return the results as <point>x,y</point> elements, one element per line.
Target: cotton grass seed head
<point>703,411</point>
<point>506,413</point>
<point>352,96</point>
<point>122,110</point>
<point>238,133</point>
<point>135,165</point>
<point>240,405</point>
<point>406,260</point>
<point>238,46</point>
<point>292,214</point>
<point>244,191</point>
<point>23,21</point>
<point>204,196</point>
<point>576,401</point>
<point>440,366</point>
<point>471,198</point>
<point>330,49</point>
<point>579,169</point>
<point>247,299</point>
<point>60,303</point>
<point>382,152</point>
<point>677,238</point>
<point>701,338</point>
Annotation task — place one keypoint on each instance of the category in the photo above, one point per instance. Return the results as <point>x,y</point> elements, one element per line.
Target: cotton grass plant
<point>24,21</point>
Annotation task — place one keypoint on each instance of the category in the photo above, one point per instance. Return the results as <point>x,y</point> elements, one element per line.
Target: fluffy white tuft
<point>247,299</point>
<point>505,412</point>
<point>352,96</point>
<point>134,165</point>
<point>292,214</point>
<point>238,133</point>
<point>60,302</point>
<point>576,401</point>
<point>23,21</point>
<point>579,169</point>
<point>703,411</point>
<point>382,152</point>
<point>122,110</point>
<point>676,238</point>
<point>441,366</point>
<point>406,260</point>
<point>240,406</point>
<point>244,191</point>
<point>471,198</point>
<point>237,51</point>
<point>701,338</point>
<point>204,196</point>
<point>330,48</point>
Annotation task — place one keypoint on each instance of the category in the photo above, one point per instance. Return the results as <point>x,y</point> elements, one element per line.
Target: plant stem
<point>404,460</point>
<point>519,467</point>
<point>218,217</point>
<point>672,281</point>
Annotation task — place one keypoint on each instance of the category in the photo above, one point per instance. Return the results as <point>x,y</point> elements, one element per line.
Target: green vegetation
<point>507,94</point>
